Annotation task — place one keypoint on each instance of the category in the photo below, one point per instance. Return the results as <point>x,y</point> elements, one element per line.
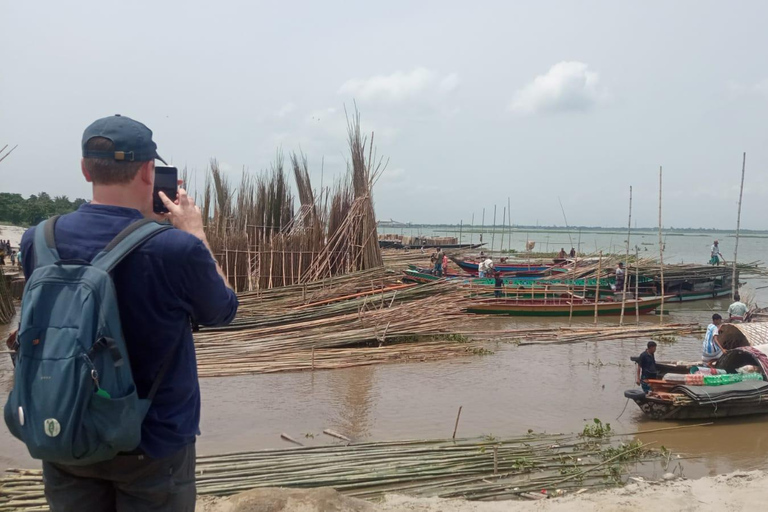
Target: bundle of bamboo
<point>475,469</point>
<point>261,243</point>
<point>7,310</point>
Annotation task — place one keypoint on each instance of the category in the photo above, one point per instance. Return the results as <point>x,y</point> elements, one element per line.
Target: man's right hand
<point>184,214</point>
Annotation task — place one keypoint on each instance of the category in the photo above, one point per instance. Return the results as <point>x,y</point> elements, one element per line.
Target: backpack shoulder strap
<point>45,243</point>
<point>126,241</point>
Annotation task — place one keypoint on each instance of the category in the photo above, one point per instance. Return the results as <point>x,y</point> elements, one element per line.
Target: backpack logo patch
<point>51,427</point>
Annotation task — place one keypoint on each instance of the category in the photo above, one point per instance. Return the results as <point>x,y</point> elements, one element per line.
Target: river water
<point>553,388</point>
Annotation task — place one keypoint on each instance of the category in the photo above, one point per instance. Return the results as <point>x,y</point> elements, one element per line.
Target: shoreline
<point>739,490</point>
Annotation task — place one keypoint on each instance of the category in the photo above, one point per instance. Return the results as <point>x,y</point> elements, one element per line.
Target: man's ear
<point>86,174</point>
<point>147,173</point>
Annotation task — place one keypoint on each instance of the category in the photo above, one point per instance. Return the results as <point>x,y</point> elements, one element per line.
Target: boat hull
<point>665,410</point>
<point>532,308</point>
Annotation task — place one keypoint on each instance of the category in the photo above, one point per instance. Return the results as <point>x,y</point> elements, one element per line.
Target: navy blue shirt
<point>160,286</point>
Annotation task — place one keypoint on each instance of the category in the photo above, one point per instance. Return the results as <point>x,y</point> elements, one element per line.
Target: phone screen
<point>167,180</point>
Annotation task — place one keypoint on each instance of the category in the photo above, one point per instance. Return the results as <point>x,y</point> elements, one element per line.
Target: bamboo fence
<point>475,469</point>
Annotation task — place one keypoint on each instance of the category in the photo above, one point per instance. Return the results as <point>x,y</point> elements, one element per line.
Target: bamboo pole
<point>509,219</point>
<point>456,426</point>
<point>735,283</point>
<point>472,231</point>
<point>661,254</point>
<point>597,291</point>
<point>626,276</point>
<point>503,223</point>
<point>493,229</point>
<point>637,286</point>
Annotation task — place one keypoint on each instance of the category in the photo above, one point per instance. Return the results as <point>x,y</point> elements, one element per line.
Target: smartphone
<point>167,180</point>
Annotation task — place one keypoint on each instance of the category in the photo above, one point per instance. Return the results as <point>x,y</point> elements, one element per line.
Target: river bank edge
<point>739,490</point>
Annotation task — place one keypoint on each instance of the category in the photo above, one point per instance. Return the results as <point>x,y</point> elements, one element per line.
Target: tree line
<point>14,209</point>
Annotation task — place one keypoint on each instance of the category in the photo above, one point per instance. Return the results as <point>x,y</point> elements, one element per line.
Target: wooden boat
<point>515,285</point>
<point>471,267</point>
<point>669,400</point>
<point>576,306</point>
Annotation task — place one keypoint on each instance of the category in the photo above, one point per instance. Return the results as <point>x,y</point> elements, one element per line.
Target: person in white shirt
<point>715,256</point>
<point>712,350</point>
<point>738,310</point>
<point>485,267</point>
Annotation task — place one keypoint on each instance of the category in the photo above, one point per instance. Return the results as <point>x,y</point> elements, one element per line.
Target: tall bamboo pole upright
<point>503,223</point>
<point>624,291</point>
<point>482,228</point>
<point>735,284</point>
<point>472,231</point>
<point>461,227</point>
<point>493,229</point>
<point>509,218</point>
<point>661,254</point>
<point>597,290</point>
<point>637,285</point>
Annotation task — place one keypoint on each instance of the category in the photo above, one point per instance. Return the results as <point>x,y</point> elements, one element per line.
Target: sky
<point>472,104</point>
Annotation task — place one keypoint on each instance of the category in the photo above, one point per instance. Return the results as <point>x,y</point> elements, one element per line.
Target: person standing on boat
<point>620,274</point>
<point>712,350</point>
<point>572,254</point>
<point>485,267</point>
<point>439,255</point>
<point>445,264</point>
<point>646,366</point>
<point>738,310</point>
<point>498,283</point>
<point>562,254</point>
<point>715,256</point>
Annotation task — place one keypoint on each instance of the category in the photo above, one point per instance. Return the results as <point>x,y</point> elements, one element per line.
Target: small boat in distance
<point>561,306</point>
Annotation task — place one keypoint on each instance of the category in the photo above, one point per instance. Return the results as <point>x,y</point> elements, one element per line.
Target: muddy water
<point>553,388</point>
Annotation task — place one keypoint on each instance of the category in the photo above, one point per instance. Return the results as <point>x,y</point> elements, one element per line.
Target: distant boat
<point>576,306</point>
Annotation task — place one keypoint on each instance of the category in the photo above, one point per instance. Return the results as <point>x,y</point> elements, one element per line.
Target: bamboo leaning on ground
<point>597,292</point>
<point>475,469</point>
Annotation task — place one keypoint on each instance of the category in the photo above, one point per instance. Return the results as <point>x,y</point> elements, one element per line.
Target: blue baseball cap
<point>132,139</point>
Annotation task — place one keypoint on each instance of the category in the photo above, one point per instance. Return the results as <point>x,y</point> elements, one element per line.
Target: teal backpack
<point>74,400</point>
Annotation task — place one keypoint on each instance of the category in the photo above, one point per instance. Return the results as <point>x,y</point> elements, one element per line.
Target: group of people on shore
<point>9,256</point>
<point>712,348</point>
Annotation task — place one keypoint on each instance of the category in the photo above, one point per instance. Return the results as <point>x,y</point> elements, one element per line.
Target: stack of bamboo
<point>261,243</point>
<point>475,469</point>
<point>7,309</point>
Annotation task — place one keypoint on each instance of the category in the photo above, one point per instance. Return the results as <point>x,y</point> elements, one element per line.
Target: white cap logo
<point>51,427</point>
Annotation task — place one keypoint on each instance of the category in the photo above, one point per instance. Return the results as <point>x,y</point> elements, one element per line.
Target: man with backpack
<point>105,388</point>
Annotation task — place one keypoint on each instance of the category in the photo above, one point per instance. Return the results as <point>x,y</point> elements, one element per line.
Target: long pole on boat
<point>661,254</point>
<point>629,230</point>
<point>597,286</point>
<point>503,223</point>
<point>637,286</point>
<point>509,218</point>
<point>735,283</point>
<point>493,229</point>
<point>472,231</point>
<point>566,221</point>
<point>483,227</point>
<point>461,227</point>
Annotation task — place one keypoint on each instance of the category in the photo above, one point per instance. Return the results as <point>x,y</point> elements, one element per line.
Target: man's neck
<point>117,196</point>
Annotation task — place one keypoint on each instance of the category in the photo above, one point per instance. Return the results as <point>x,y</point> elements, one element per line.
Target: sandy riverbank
<point>734,491</point>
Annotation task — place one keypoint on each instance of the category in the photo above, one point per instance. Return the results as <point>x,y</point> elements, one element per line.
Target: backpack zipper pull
<point>99,391</point>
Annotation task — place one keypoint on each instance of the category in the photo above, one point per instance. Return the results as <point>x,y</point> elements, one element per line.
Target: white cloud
<point>286,109</point>
<point>567,86</point>
<point>758,88</point>
<point>400,85</point>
